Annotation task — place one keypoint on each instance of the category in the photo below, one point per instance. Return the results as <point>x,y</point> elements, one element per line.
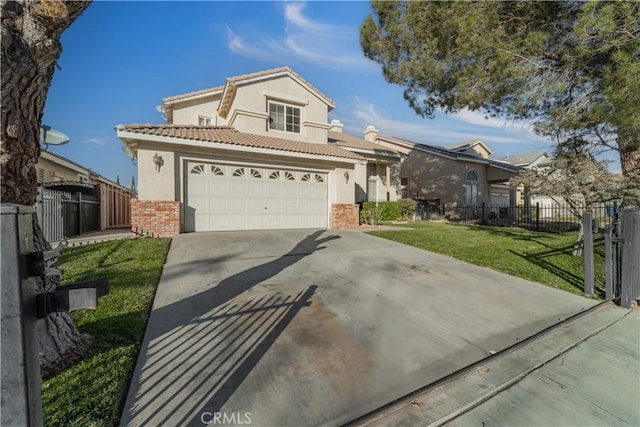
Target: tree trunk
<point>629,143</point>
<point>30,48</point>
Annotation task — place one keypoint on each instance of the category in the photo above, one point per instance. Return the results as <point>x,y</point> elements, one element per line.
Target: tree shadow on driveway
<point>198,350</point>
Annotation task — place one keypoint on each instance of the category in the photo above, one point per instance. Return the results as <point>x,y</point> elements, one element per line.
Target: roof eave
<point>133,137</point>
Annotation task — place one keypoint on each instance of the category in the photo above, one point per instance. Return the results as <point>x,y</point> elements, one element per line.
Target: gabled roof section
<point>170,101</point>
<point>230,136</point>
<point>233,82</point>
<point>447,153</point>
<point>524,159</point>
<point>466,145</point>
<point>361,145</point>
<point>193,95</point>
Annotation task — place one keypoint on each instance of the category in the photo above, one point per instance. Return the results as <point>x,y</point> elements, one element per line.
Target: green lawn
<point>91,392</point>
<point>534,255</point>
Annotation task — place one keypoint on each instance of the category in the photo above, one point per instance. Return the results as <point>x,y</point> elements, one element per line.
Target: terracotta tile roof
<point>194,93</point>
<point>344,140</point>
<point>229,135</point>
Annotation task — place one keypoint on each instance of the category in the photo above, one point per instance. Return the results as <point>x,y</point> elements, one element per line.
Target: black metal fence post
<point>608,263</point>
<point>588,252</point>
<point>537,215</point>
<point>630,287</point>
<point>80,224</point>
<point>484,218</point>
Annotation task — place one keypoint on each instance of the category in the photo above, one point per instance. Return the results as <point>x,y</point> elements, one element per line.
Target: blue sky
<point>121,58</point>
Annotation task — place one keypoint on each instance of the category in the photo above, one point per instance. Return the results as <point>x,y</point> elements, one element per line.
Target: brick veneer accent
<point>158,217</point>
<point>345,216</point>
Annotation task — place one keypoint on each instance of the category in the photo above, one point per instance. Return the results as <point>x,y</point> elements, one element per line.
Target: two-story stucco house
<point>255,153</point>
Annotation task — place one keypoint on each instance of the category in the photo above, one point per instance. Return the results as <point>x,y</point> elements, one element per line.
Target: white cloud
<point>431,131</point>
<point>293,15</point>
<point>237,45</point>
<point>99,140</point>
<point>305,40</point>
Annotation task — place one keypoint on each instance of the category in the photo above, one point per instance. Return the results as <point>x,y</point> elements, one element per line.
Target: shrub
<point>371,215</point>
<point>374,212</point>
<point>408,209</point>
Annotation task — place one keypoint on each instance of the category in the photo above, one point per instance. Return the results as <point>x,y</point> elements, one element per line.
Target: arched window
<point>471,186</point>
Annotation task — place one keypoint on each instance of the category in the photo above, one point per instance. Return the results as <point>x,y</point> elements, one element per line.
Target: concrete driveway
<point>307,327</point>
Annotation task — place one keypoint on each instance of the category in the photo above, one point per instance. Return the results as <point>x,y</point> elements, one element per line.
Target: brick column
<point>158,217</point>
<point>345,216</point>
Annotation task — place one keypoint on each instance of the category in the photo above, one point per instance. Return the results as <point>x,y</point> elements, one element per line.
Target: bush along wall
<point>374,213</point>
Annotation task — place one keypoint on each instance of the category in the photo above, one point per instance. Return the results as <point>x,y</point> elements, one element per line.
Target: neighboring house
<point>458,176</point>
<point>380,181</point>
<point>65,185</point>
<point>474,147</point>
<point>534,160</point>
<point>255,153</point>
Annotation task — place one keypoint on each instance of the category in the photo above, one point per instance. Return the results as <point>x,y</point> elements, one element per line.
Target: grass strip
<point>539,256</point>
<point>92,391</point>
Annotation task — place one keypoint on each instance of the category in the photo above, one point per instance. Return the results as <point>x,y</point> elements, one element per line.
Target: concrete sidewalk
<point>596,383</point>
<point>98,236</point>
<point>585,372</point>
<point>306,328</point>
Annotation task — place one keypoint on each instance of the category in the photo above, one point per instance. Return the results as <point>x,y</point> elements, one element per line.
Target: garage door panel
<point>255,198</point>
<point>218,187</point>
<point>290,190</point>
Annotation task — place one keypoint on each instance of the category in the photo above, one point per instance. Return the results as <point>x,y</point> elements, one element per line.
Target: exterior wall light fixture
<point>346,176</point>
<point>158,161</point>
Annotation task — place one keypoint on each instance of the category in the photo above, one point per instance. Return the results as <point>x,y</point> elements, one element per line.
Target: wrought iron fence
<point>536,217</point>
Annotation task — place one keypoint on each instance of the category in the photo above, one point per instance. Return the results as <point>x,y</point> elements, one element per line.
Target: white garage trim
<point>224,196</point>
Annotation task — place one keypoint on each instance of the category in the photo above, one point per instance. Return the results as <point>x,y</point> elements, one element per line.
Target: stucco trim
<point>276,96</point>
<point>247,113</point>
<point>315,125</point>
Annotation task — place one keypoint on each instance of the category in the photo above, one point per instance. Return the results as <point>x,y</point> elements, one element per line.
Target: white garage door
<point>227,197</point>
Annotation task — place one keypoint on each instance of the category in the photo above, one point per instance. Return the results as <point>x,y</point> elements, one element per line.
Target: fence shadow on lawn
<point>522,234</point>
<point>570,273</point>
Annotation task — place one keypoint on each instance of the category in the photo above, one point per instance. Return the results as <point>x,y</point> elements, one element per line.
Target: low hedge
<point>375,212</point>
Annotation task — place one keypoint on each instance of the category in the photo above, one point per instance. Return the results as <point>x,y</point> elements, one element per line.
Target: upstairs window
<point>284,117</point>
<point>372,170</point>
<point>205,121</point>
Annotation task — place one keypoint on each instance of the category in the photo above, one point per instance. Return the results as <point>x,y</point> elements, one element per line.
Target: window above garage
<point>283,117</point>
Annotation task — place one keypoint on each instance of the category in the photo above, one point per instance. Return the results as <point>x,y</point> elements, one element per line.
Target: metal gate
<point>64,214</point>
<point>622,257</point>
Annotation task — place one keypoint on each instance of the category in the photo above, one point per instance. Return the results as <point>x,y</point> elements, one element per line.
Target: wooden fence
<point>116,207</point>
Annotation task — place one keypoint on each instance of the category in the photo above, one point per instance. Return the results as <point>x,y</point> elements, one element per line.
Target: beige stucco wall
<point>187,113</point>
<point>153,184</point>
<point>53,172</point>
<point>360,183</point>
<point>341,189</point>
<point>394,189</point>
<point>254,98</point>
